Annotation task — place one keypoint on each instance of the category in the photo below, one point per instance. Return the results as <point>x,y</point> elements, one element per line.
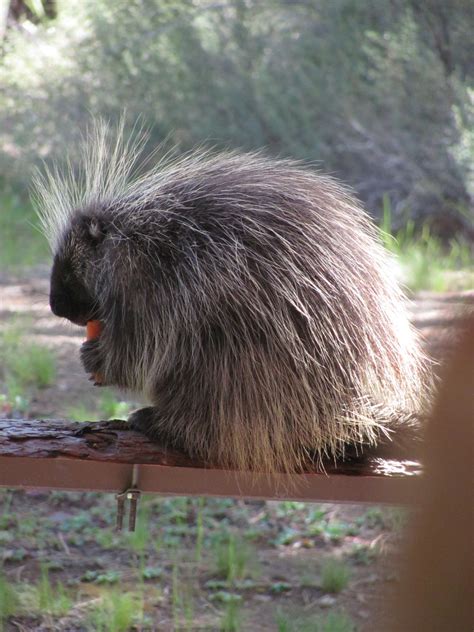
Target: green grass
<point>364,554</point>
<point>233,558</point>
<point>33,365</point>
<point>333,530</point>
<point>181,602</point>
<point>81,412</point>
<point>426,263</point>
<point>8,601</point>
<point>332,622</point>
<point>109,577</point>
<point>21,244</point>
<point>387,518</point>
<point>115,613</point>
<point>231,619</point>
<point>52,600</point>
<point>127,590</point>
<point>44,599</point>
<point>112,408</point>
<point>199,529</point>
<point>139,539</point>
<point>25,366</point>
<point>107,407</point>
<point>335,575</point>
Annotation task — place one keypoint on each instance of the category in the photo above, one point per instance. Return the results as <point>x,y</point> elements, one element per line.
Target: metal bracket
<point>131,494</point>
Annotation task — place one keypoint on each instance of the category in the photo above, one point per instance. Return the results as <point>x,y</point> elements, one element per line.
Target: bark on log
<point>94,441</point>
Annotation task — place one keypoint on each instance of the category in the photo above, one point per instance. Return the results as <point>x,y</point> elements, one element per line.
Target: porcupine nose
<point>66,307</point>
<point>60,306</point>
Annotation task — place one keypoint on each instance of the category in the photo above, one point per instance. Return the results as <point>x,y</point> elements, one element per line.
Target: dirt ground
<point>72,534</point>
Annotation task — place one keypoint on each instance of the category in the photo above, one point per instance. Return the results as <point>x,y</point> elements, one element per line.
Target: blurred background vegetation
<point>378,92</point>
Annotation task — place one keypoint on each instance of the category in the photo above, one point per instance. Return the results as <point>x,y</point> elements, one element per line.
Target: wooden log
<point>100,456</point>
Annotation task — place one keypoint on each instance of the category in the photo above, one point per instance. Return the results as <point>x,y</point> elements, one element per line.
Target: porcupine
<point>248,299</point>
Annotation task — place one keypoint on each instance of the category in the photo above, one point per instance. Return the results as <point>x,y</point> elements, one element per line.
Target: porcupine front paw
<point>147,421</point>
<point>102,426</point>
<point>91,357</point>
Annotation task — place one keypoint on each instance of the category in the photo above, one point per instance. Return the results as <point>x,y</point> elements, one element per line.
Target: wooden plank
<point>52,454</point>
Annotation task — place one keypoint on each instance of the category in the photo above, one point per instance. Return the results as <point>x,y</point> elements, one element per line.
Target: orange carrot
<point>93,328</point>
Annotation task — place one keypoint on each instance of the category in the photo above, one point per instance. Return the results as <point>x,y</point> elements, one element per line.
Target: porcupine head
<point>246,299</point>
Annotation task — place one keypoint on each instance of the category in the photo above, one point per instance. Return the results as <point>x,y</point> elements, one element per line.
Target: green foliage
<point>109,577</point>
<point>21,243</point>
<point>139,539</point>
<point>424,260</point>
<point>152,572</point>
<point>125,588</point>
<point>374,518</point>
<point>115,613</point>
<point>231,620</point>
<point>51,600</point>
<point>181,602</point>
<point>388,518</point>
<point>224,596</point>
<point>333,530</point>
<point>199,529</point>
<point>33,365</point>
<point>8,601</point>
<point>14,399</point>
<point>288,507</point>
<point>252,74</point>
<point>41,599</point>
<point>111,408</point>
<point>363,554</point>
<point>25,366</point>
<point>81,412</point>
<point>280,587</point>
<point>335,575</point>
<point>332,622</point>
<point>233,557</point>
<point>318,523</point>
<point>107,406</point>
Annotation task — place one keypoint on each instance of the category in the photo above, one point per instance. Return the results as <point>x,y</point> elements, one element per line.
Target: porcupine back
<point>249,300</point>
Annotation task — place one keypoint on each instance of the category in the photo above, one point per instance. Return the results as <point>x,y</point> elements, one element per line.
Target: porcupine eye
<point>69,294</point>
<point>96,230</point>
